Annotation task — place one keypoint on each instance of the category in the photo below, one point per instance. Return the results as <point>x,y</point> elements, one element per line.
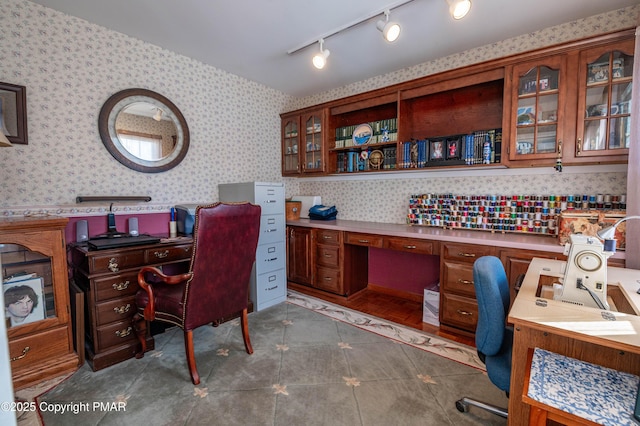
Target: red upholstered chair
<point>217,284</point>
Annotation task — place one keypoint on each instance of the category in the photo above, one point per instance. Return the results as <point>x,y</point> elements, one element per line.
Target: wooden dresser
<point>109,280</point>
<point>32,258</point>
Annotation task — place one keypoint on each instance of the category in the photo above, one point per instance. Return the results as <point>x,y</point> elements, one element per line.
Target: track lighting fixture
<point>390,30</point>
<point>320,59</point>
<point>158,115</point>
<point>459,8</point>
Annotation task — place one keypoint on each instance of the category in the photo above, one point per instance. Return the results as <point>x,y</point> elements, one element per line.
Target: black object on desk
<point>107,243</point>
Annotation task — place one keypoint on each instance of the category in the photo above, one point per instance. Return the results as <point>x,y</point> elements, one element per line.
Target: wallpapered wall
<point>70,67</point>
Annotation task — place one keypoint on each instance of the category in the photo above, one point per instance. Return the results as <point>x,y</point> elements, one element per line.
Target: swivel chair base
<point>463,406</point>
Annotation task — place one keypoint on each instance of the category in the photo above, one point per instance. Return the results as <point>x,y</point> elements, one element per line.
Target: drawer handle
<point>161,254</point>
<point>363,241</point>
<point>327,278</point>
<point>113,265</point>
<point>327,255</point>
<point>271,230</point>
<point>467,254</point>
<point>327,237</point>
<point>271,260</point>
<point>122,309</point>
<point>24,353</point>
<point>272,288</point>
<point>461,281</point>
<point>271,201</point>
<point>120,286</point>
<point>465,313</point>
<point>125,332</point>
<point>410,247</point>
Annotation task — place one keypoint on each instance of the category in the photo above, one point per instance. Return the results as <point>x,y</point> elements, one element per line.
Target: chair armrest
<point>150,310</point>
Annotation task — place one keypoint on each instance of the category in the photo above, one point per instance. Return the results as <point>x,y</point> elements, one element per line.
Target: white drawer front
<point>272,228</point>
<point>271,199</point>
<point>270,257</point>
<point>271,285</point>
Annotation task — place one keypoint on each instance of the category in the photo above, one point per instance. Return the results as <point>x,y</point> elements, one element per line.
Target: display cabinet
<point>36,294</point>
<point>604,102</point>
<point>538,104</point>
<point>303,145</point>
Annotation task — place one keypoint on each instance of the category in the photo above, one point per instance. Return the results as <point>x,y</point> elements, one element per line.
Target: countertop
<point>523,241</point>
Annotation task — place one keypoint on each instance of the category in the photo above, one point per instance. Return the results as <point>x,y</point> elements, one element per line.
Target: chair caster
<point>461,406</point>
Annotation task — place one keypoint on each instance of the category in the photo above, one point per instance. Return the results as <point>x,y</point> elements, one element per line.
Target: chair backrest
<point>492,294</point>
<point>225,241</point>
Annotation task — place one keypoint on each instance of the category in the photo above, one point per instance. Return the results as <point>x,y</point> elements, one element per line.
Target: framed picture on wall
<point>13,112</point>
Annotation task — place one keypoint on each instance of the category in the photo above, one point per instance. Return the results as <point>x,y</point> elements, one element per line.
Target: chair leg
<point>140,327</point>
<point>191,358</point>
<point>244,321</point>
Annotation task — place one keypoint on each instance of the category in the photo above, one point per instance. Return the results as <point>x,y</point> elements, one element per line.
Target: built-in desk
<point>579,332</point>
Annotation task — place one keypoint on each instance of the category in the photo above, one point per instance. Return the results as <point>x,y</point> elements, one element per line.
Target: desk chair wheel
<point>462,406</point>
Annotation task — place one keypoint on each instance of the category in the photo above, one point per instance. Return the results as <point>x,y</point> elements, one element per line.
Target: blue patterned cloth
<point>590,391</point>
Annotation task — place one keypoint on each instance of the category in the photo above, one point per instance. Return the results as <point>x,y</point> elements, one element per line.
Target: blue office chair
<point>494,339</point>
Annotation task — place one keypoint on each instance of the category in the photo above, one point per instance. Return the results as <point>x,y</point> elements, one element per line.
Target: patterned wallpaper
<point>70,68</point>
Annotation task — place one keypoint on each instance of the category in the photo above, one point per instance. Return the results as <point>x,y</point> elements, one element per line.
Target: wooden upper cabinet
<point>603,129</point>
<point>303,146</point>
<point>537,92</point>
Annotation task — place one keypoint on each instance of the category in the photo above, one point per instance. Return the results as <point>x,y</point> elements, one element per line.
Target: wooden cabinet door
<point>537,116</point>
<point>291,146</point>
<point>604,103</point>
<point>312,126</point>
<point>299,255</point>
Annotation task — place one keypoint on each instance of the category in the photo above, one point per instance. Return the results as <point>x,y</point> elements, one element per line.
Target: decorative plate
<point>375,159</point>
<point>362,134</point>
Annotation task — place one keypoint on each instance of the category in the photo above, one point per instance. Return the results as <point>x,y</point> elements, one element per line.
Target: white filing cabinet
<point>269,276</point>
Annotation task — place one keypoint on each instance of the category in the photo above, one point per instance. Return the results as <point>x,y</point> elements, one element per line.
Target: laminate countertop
<point>523,241</point>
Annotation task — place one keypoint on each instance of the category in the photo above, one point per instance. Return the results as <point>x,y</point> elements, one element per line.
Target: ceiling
<point>250,38</point>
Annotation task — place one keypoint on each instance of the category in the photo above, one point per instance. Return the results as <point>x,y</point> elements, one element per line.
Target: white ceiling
<point>250,38</point>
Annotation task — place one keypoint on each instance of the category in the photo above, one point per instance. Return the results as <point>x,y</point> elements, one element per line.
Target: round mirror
<point>143,130</point>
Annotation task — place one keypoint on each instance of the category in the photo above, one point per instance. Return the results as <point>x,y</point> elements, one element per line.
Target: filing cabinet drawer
<point>270,257</point>
<point>466,252</point>
<point>458,278</point>
<point>270,199</point>
<point>115,286</point>
<point>271,285</point>
<point>163,255</point>
<point>272,228</point>
<point>458,311</point>
<point>115,334</point>
<point>326,236</point>
<point>329,279</point>
<point>328,256</point>
<point>368,240</point>
<point>41,347</point>
<point>115,310</point>
<point>410,245</point>
<point>116,262</point>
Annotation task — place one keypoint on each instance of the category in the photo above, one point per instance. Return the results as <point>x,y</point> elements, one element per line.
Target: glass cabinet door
<point>537,110</point>
<point>290,146</point>
<point>313,161</point>
<point>27,285</point>
<point>604,120</point>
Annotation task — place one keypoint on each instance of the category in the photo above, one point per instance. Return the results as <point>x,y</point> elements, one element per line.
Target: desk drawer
<point>116,262</point>
<point>168,254</point>
<point>115,310</point>
<point>458,311</point>
<point>115,334</point>
<point>329,279</point>
<point>466,252</point>
<point>458,278</point>
<point>328,256</point>
<point>328,237</point>
<point>42,346</point>
<point>410,245</point>
<point>115,286</point>
<point>368,240</point>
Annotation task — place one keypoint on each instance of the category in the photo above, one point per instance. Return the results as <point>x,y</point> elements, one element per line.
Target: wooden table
<point>575,331</point>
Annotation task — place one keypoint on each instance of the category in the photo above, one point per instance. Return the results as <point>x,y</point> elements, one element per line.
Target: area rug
<point>421,340</point>
<point>314,363</point>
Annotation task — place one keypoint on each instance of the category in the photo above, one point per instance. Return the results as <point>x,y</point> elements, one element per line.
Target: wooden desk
<point>576,331</point>
<point>109,280</point>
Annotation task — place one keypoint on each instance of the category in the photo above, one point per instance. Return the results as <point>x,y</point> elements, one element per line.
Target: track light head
<point>390,30</point>
<point>158,115</point>
<point>320,58</point>
<point>459,8</point>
